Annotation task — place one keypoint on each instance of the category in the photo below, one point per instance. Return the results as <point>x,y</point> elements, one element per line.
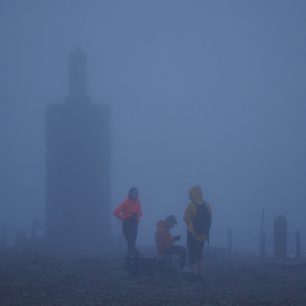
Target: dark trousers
<point>195,248</point>
<point>177,250</point>
<point>129,229</point>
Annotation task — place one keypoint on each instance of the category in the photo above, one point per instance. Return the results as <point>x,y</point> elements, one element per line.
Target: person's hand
<point>178,237</point>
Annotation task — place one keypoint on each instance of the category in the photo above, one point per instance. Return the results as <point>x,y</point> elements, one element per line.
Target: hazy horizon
<point>201,92</point>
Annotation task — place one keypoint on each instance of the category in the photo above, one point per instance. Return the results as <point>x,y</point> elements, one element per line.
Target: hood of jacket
<point>195,195</point>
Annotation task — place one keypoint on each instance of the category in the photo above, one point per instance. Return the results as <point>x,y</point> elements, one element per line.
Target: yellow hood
<point>195,195</point>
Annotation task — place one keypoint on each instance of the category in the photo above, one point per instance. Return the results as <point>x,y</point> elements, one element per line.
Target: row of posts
<point>279,240</point>
<point>21,235</point>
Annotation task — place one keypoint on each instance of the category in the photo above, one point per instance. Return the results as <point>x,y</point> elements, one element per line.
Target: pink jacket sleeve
<point>118,212</point>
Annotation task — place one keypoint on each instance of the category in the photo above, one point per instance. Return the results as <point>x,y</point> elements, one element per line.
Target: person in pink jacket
<point>129,212</point>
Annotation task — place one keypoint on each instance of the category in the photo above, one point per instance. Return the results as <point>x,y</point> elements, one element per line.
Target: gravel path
<point>33,280</point>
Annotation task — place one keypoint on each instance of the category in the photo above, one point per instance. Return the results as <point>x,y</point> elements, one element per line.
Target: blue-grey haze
<point>202,92</point>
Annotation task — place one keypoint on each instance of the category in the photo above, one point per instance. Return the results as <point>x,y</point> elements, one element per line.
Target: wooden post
<point>3,236</point>
<point>229,240</point>
<point>34,229</point>
<point>298,244</point>
<point>21,238</point>
<point>262,247</point>
<point>280,237</point>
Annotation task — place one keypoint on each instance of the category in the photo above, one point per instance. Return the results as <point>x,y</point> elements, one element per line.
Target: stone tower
<point>78,166</point>
<point>280,237</point>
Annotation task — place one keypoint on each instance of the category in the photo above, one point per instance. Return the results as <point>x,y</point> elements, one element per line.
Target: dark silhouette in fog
<point>78,166</point>
<point>198,215</point>
<point>3,236</point>
<point>280,237</point>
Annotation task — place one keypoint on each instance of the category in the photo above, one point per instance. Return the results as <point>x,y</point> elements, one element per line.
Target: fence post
<point>298,244</point>
<point>263,245</point>
<point>280,237</point>
<point>229,240</point>
<point>3,236</point>
<point>34,229</point>
<point>262,248</point>
<point>21,238</point>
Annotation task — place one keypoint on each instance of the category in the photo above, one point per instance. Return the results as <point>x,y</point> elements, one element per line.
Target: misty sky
<point>201,92</point>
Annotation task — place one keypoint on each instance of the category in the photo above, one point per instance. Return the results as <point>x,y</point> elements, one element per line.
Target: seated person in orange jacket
<point>165,241</point>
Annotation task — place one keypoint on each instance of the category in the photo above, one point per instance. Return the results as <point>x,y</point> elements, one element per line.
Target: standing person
<point>129,211</point>
<point>164,240</point>
<point>198,215</point>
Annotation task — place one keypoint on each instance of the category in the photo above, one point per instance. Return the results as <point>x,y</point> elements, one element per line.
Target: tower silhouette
<point>78,166</point>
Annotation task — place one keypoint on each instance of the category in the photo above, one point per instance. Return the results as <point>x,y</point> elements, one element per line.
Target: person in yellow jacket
<point>196,237</point>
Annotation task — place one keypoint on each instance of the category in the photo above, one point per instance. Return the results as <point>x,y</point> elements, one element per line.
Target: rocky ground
<point>229,280</point>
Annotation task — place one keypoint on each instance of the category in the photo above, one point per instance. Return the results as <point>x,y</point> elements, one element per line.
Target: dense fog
<point>201,92</point>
